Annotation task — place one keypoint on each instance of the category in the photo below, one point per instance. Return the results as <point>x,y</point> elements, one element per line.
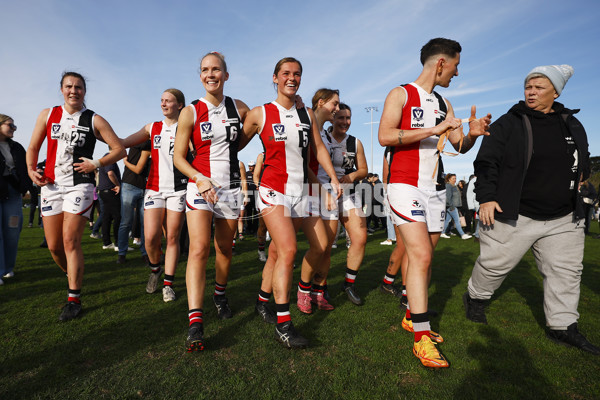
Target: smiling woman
<point>286,132</point>
<point>164,199</point>
<point>68,180</point>
<point>212,125</point>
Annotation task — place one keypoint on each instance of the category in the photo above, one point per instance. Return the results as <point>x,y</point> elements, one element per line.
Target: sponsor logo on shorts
<point>415,203</point>
<point>417,212</point>
<point>47,208</point>
<point>271,194</point>
<point>199,201</point>
<point>149,203</point>
<point>77,200</point>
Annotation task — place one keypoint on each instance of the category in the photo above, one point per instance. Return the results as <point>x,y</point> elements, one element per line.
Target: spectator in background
<point>588,194</point>
<point>379,213</point>
<point>132,198</point>
<point>464,209</point>
<point>251,212</point>
<point>453,203</point>
<point>14,183</point>
<point>109,189</point>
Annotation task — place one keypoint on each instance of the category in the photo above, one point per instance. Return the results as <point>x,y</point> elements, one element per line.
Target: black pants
<point>112,213</point>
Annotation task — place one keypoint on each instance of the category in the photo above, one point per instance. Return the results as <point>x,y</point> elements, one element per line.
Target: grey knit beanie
<point>557,74</point>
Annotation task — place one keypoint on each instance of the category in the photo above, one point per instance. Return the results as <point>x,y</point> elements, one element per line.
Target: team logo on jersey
<point>417,117</point>
<point>156,143</point>
<point>279,131</point>
<point>206,132</point>
<point>55,132</point>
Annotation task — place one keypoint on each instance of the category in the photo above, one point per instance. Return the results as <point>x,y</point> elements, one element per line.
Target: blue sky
<point>131,53</point>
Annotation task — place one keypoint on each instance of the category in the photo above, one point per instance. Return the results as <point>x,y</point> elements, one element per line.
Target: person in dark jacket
<point>14,183</point>
<point>528,174</point>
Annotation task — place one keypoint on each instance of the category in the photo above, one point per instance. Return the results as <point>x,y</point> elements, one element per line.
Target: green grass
<point>129,344</point>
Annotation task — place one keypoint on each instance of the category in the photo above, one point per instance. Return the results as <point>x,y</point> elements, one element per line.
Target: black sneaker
<point>70,311</point>
<point>287,335</point>
<point>195,338</point>
<point>351,293</point>
<point>265,312</point>
<point>572,337</point>
<point>121,259</point>
<point>474,309</point>
<point>223,310</point>
<point>403,301</point>
<point>390,289</point>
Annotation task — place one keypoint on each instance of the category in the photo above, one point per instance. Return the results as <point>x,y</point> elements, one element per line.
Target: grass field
<point>129,344</point>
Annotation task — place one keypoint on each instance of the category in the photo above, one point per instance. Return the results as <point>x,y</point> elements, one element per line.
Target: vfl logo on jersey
<point>55,132</point>
<point>418,115</point>
<point>156,143</point>
<point>279,132</point>
<point>206,132</point>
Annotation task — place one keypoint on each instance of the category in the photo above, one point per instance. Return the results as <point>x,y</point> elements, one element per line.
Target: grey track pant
<point>557,246</point>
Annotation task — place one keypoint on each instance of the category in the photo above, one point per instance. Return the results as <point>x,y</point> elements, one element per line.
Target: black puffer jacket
<point>504,156</point>
<point>19,179</point>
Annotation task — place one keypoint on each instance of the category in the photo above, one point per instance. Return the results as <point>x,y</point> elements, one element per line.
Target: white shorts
<point>174,201</point>
<point>295,206</point>
<point>410,204</point>
<point>76,199</point>
<point>344,205</point>
<point>226,207</point>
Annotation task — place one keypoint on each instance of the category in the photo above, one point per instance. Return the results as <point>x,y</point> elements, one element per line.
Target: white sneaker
<point>268,237</point>
<point>262,257</point>
<point>9,275</point>
<point>128,248</point>
<point>168,294</point>
<point>466,236</point>
<point>109,246</point>
<point>387,242</point>
<point>443,235</point>
<point>334,246</point>
<point>95,235</point>
<point>137,242</point>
